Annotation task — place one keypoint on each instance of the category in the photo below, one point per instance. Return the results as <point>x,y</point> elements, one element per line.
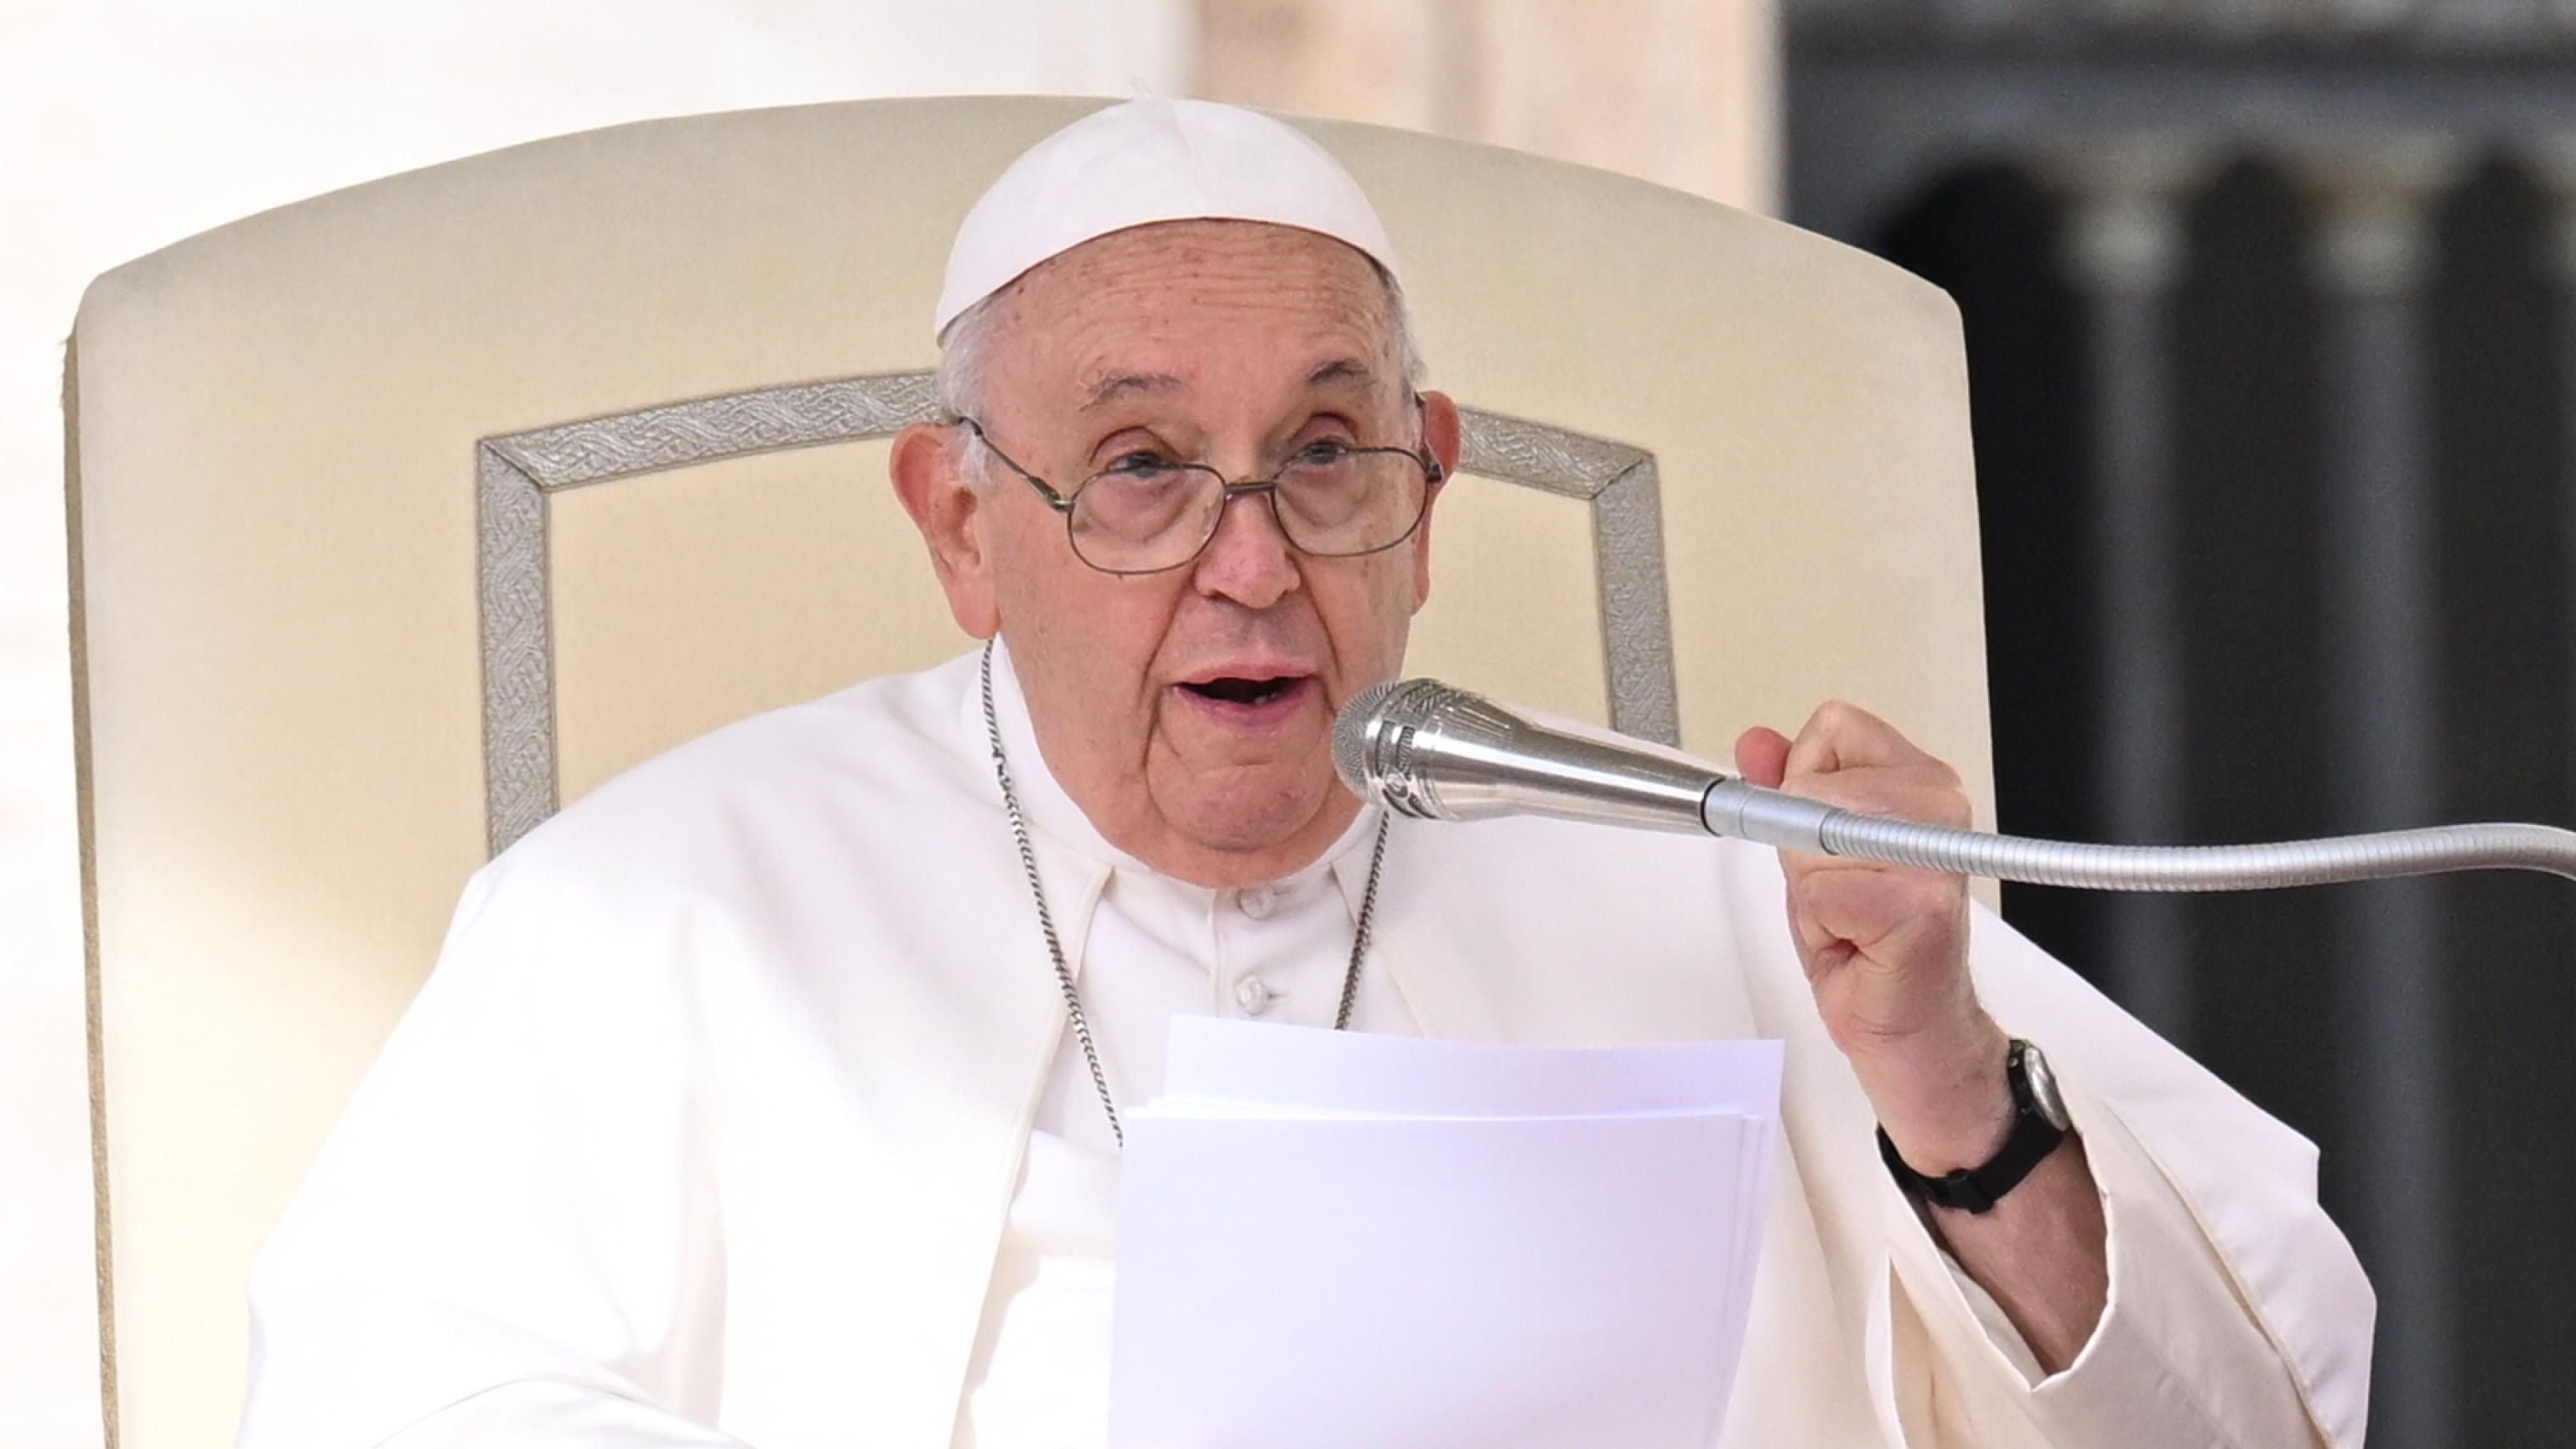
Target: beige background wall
<point>131,123</point>
<point>1682,92</point>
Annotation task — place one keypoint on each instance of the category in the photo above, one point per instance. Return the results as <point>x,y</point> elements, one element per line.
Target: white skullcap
<point>1147,161</point>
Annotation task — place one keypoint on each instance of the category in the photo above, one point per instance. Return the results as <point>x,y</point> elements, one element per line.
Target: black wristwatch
<point>2039,1124</point>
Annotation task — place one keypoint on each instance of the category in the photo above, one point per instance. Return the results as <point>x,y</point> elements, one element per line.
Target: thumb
<point>1762,756</point>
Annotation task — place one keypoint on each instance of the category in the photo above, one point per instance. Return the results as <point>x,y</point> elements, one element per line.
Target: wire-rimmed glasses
<point>1145,514</point>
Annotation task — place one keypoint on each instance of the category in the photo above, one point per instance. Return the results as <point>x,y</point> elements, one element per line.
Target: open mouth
<point>1235,690</point>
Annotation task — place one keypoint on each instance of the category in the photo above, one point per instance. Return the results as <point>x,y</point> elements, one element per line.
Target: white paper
<point>1251,1065</point>
<point>1356,1241</point>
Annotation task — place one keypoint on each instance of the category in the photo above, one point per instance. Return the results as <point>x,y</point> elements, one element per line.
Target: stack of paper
<point>1340,1241</point>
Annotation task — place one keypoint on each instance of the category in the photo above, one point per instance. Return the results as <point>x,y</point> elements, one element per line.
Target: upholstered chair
<point>403,515</point>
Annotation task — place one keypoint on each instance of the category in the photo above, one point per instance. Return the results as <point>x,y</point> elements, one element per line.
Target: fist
<point>1885,947</point>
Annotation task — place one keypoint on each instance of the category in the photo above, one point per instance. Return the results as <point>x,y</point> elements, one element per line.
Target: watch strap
<point>1978,1189</point>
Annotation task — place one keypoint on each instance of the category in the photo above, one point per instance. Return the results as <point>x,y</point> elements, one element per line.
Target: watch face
<point>2043,1086</point>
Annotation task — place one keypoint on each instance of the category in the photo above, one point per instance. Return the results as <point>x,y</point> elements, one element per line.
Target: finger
<point>1843,736</point>
<point>1817,882</point>
<point>1930,796</point>
<point>1885,915</point>
<point>1762,756</point>
<point>1889,793</point>
<point>1818,945</point>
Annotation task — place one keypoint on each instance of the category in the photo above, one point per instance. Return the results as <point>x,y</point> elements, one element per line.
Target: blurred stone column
<point>2553,161</point>
<point>2123,246</point>
<point>1682,92</point>
<point>2372,250</point>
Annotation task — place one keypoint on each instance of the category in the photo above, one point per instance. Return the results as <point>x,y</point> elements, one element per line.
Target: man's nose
<point>1249,560</point>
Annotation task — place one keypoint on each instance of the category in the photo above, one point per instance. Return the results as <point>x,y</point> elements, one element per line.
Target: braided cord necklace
<point>1055,945</point>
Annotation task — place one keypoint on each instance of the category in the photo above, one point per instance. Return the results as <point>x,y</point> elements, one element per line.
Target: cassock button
<point>1258,902</point>
<point>1254,995</point>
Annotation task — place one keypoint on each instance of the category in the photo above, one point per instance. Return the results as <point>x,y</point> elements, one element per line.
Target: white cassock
<point>740,1110</point>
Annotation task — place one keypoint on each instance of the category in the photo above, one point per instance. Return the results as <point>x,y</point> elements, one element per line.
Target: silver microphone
<point>1439,753</point>
<point>1443,754</point>
<point>1427,750</point>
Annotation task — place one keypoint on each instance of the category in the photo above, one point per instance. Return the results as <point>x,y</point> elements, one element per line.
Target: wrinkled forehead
<point>1184,301</point>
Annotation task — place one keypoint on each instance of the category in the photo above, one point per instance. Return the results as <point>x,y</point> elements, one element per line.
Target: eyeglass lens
<point>1329,501</point>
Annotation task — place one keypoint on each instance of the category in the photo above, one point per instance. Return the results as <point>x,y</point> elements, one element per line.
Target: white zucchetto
<point>1146,161</point>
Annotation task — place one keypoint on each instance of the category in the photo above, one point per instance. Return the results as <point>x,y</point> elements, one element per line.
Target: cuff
<point>2177,1358</point>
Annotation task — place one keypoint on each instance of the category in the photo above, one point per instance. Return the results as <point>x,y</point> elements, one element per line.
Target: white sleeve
<point>2237,1316</point>
<point>556,1416</point>
<point>2178,1357</point>
<point>511,1238</point>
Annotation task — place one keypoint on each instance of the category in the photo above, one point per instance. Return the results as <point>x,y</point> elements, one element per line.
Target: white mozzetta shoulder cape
<point>704,1130</point>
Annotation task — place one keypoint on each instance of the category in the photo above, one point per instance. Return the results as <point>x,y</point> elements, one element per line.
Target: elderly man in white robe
<point>768,1095</point>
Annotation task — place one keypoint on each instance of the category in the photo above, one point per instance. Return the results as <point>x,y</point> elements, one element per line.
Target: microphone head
<point>1351,736</point>
<point>1374,736</point>
<point>1426,750</point>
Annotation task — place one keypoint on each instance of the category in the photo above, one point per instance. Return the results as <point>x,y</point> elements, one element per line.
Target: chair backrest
<point>406,512</point>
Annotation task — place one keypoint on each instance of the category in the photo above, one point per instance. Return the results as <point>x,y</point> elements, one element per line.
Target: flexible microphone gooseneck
<point>1438,753</point>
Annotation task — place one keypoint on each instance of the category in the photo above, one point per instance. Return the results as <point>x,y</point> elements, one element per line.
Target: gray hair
<point>965,363</point>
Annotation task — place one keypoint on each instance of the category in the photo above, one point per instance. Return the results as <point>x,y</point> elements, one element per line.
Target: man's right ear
<point>935,489</point>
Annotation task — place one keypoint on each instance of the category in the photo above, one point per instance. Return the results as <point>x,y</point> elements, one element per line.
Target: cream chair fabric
<point>404,512</point>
